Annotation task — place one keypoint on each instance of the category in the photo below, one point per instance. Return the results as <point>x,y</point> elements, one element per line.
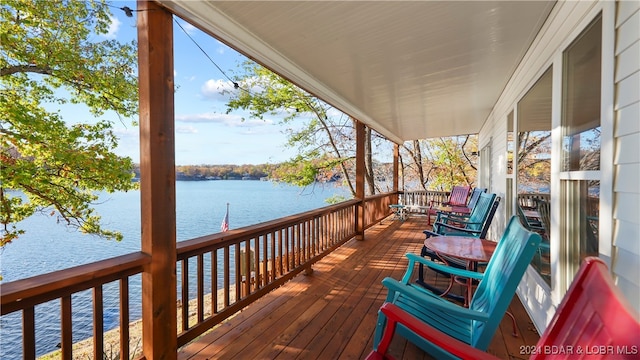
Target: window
<point>510,150</point>
<point>485,163</point>
<point>580,184</point>
<point>534,167</point>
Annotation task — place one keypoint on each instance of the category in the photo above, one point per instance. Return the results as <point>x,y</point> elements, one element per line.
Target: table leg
<point>467,299</point>
<point>452,278</point>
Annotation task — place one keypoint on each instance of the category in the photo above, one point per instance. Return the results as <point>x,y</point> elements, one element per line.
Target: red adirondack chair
<point>457,198</point>
<point>593,320</point>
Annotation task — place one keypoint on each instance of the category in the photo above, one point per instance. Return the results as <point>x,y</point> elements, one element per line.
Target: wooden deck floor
<point>332,313</point>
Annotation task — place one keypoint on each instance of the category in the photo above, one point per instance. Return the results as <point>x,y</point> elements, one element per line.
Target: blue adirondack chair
<point>592,313</point>
<point>476,324</point>
<point>475,225</point>
<point>473,200</point>
<point>459,225</point>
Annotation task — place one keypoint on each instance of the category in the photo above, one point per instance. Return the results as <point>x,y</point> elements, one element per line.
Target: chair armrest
<point>430,233</point>
<point>432,302</point>
<point>459,229</point>
<point>454,346</point>
<point>459,221</point>
<point>413,258</point>
<point>447,215</point>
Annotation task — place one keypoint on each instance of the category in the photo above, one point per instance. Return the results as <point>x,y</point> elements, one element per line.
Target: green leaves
<point>51,54</point>
<point>324,143</point>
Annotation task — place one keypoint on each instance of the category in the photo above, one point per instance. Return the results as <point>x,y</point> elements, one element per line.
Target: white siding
<point>565,22</point>
<point>626,216</point>
<point>496,132</point>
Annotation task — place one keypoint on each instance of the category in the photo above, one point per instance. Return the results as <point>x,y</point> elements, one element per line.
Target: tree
<point>534,160</point>
<point>325,141</point>
<point>51,55</point>
<point>441,163</point>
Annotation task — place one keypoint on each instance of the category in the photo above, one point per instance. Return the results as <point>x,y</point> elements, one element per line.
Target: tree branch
<point>26,69</point>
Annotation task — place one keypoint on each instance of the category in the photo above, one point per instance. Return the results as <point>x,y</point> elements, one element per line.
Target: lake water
<point>200,209</point>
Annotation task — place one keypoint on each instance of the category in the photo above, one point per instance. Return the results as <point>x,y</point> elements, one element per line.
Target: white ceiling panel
<point>410,70</point>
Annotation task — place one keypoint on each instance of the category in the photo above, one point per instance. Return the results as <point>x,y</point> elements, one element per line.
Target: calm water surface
<point>200,208</point>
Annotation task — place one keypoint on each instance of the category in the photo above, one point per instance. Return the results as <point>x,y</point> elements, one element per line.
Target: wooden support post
<point>396,156</point>
<point>157,180</point>
<point>360,169</point>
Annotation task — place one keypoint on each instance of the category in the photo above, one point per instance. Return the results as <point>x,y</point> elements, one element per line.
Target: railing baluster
<point>256,265</point>
<point>281,253</point>
<point>98,323</point>
<point>185,294</point>
<point>307,240</point>
<point>289,248</point>
<point>124,318</point>
<point>28,333</point>
<point>245,269</point>
<point>300,245</point>
<point>265,262</point>
<point>214,282</point>
<point>238,275</point>
<point>66,327</point>
<point>200,288</point>
<point>273,256</point>
<point>227,282</point>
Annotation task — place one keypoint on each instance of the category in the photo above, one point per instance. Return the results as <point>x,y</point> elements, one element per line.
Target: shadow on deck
<point>331,314</point>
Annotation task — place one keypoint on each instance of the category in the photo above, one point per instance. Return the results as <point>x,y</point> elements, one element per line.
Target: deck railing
<point>530,200</point>
<point>278,250</point>
<point>217,276</point>
<point>420,200</point>
<point>24,295</point>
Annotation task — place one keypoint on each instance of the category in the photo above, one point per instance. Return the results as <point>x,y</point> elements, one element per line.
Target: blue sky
<point>205,134</point>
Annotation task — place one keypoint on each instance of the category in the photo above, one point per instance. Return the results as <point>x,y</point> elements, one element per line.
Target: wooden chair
<point>472,225</point>
<point>476,324</point>
<point>473,200</point>
<point>528,222</point>
<point>458,197</point>
<point>593,320</point>
<point>544,209</point>
<point>470,230</point>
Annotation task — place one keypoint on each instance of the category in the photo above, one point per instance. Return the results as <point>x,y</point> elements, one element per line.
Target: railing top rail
<point>45,287</point>
<point>215,241</point>
<point>381,195</point>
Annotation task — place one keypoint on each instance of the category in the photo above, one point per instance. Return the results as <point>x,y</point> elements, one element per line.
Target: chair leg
<point>423,253</point>
<point>513,324</point>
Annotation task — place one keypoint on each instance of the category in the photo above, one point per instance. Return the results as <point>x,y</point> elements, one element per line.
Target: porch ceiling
<point>410,70</point>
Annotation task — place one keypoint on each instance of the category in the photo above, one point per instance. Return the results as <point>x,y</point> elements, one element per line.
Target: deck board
<point>332,313</point>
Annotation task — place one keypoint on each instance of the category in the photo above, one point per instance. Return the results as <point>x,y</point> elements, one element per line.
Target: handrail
<point>281,248</point>
<point>19,294</point>
<point>187,247</point>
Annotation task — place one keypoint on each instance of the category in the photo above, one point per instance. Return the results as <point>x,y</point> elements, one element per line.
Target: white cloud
<point>186,130</point>
<point>129,132</point>
<point>217,89</point>
<point>190,29</point>
<point>230,120</point>
<point>113,28</point>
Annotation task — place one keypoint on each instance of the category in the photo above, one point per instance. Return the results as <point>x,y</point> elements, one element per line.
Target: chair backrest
<point>487,222</point>
<point>504,271</point>
<point>593,316</point>
<point>523,218</point>
<point>544,209</point>
<point>458,196</point>
<point>481,211</point>
<point>475,195</point>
